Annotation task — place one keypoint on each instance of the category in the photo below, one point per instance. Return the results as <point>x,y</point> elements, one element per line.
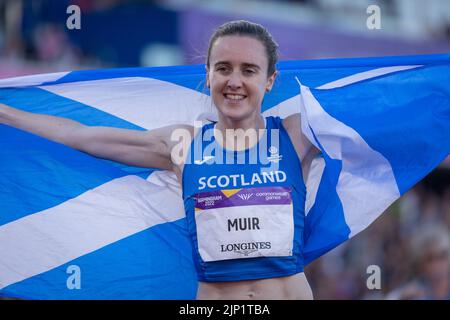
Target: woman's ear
<point>207,78</point>
<point>271,81</point>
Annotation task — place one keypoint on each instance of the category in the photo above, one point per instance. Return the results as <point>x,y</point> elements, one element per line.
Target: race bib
<point>244,223</point>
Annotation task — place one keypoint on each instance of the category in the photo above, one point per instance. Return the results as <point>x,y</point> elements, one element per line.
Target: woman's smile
<point>234,99</point>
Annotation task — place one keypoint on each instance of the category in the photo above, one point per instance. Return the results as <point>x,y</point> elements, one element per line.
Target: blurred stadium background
<point>410,243</point>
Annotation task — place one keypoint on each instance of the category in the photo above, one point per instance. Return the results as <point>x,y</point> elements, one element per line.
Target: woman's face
<point>237,76</point>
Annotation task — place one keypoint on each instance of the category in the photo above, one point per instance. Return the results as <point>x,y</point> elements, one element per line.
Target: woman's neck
<point>254,122</point>
<point>241,134</point>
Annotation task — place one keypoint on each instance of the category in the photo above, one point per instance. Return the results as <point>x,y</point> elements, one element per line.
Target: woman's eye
<point>221,69</point>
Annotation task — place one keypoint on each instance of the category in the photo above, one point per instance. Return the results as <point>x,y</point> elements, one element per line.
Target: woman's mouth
<point>234,97</point>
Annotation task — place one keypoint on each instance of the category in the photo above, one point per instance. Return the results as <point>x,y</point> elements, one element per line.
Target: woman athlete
<point>245,219</point>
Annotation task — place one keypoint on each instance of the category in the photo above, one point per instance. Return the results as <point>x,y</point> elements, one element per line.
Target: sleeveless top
<point>245,209</point>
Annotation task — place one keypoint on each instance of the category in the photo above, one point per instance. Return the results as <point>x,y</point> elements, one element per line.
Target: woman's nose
<point>234,81</point>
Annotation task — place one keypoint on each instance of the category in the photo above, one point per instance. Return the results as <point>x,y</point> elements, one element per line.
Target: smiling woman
<point>263,258</point>
<point>240,69</point>
<point>237,75</point>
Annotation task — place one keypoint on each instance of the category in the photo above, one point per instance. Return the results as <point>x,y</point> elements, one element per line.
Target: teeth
<point>234,96</point>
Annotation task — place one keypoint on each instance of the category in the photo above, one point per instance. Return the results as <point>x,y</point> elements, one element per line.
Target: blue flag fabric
<point>73,226</point>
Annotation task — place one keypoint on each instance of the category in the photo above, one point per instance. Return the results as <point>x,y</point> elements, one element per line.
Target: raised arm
<point>306,151</point>
<point>301,143</point>
<point>131,147</point>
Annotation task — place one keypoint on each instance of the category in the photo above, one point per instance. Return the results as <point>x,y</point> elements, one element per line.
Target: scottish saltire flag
<point>73,226</point>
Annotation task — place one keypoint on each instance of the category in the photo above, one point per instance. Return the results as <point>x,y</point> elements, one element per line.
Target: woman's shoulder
<point>292,122</point>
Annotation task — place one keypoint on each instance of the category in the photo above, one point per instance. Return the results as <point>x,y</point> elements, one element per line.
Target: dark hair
<point>247,28</point>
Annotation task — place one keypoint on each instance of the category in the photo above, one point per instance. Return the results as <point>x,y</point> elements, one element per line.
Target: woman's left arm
<point>301,143</point>
<point>306,151</point>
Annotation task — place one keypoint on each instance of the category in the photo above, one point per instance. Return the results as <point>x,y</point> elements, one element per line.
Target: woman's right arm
<point>132,147</point>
